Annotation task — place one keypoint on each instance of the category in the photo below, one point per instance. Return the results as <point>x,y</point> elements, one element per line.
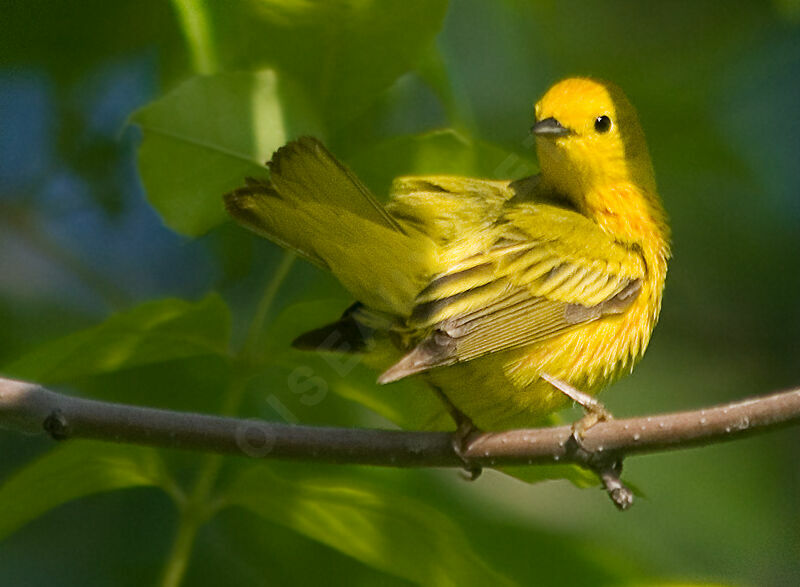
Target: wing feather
<point>549,270</point>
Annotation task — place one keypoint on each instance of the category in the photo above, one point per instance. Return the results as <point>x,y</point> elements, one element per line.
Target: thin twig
<point>30,408</point>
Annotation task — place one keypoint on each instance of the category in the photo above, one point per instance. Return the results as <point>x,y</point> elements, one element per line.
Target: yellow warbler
<point>503,295</point>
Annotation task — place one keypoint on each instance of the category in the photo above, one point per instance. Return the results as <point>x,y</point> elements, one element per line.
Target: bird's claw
<point>595,413</point>
<point>461,440</point>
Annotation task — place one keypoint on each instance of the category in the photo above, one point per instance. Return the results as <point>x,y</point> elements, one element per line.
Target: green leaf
<point>441,152</point>
<point>392,533</point>
<point>72,471</point>
<point>536,474</point>
<point>202,139</point>
<point>269,554</point>
<point>153,332</point>
<point>344,53</point>
<point>410,403</point>
<point>99,32</point>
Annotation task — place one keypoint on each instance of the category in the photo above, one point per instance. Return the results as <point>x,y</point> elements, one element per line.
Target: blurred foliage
<point>95,291</point>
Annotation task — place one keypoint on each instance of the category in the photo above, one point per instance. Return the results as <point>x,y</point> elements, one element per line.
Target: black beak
<point>549,127</point>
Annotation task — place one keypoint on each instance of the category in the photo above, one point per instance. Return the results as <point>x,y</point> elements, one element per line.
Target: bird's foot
<point>593,416</point>
<point>462,437</point>
<point>607,467</point>
<point>594,410</point>
<point>461,440</point>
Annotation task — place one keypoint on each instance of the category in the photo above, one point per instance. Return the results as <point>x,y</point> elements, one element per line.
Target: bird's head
<point>588,136</point>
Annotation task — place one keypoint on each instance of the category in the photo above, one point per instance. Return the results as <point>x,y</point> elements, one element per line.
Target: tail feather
<point>317,207</point>
<point>303,169</point>
<point>260,208</point>
<point>432,352</point>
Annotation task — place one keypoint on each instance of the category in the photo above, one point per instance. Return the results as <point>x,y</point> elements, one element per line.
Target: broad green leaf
<point>270,554</point>
<point>153,332</point>
<point>343,52</point>
<point>202,139</point>
<point>390,532</point>
<point>440,152</point>
<point>72,471</point>
<point>410,403</point>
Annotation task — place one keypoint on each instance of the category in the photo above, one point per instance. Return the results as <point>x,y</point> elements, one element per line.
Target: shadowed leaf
<point>73,471</point>
<point>392,533</point>
<point>153,332</point>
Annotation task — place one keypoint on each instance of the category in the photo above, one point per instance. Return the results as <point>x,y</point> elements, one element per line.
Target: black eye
<point>602,124</point>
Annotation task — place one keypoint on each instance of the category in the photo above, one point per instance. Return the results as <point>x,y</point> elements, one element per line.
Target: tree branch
<point>30,408</point>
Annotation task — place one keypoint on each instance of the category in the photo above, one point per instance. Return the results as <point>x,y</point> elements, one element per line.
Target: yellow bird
<point>508,297</point>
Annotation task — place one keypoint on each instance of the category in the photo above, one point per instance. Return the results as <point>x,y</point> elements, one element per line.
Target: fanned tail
<point>316,206</point>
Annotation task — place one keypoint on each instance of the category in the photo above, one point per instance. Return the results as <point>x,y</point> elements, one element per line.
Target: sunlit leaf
<point>153,332</point>
<point>410,403</point>
<point>72,471</point>
<point>202,139</point>
<point>390,532</point>
<point>536,474</point>
<point>270,554</point>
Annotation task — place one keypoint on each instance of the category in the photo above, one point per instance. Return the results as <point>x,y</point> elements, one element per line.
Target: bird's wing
<point>545,271</point>
<point>454,184</point>
<point>443,207</point>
